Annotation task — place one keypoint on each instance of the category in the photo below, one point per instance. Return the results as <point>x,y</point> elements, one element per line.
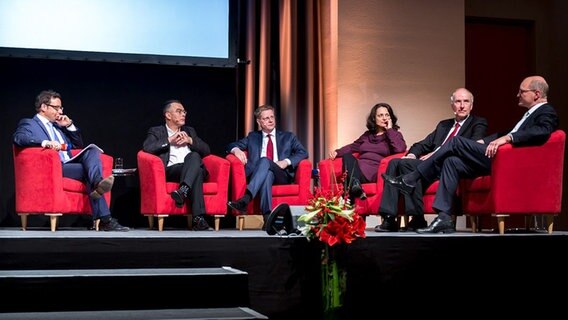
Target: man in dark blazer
<point>181,151</point>
<point>464,158</point>
<point>52,129</point>
<point>469,126</point>
<point>261,171</point>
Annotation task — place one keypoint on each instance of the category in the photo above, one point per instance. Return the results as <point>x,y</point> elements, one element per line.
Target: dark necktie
<point>453,133</point>
<point>269,148</point>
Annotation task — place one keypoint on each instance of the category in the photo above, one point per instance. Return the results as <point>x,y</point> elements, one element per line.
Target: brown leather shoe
<point>104,186</point>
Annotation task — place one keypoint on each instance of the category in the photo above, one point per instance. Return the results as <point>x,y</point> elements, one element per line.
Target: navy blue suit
<point>87,167</point>
<point>464,158</point>
<point>261,172</point>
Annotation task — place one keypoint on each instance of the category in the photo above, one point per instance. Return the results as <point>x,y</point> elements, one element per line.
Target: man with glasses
<point>464,158</point>
<point>272,159</point>
<point>181,151</point>
<point>52,129</point>
<point>463,124</point>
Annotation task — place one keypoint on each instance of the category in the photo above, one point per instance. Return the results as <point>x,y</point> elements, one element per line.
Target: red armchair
<point>331,171</point>
<point>41,188</point>
<point>155,199</point>
<point>296,193</point>
<point>524,181</point>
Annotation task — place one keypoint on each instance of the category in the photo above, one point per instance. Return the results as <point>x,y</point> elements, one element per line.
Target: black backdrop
<point>114,104</point>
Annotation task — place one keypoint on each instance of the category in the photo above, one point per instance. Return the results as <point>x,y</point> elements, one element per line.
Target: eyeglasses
<point>180,112</point>
<point>57,108</point>
<point>521,91</point>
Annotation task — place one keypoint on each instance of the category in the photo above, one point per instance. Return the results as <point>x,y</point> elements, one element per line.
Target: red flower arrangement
<point>331,219</point>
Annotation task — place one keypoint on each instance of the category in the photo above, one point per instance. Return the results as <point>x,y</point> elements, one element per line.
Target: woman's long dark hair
<point>371,124</point>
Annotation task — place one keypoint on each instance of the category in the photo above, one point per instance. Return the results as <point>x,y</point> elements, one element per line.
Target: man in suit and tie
<point>464,124</point>
<point>464,158</point>
<point>181,151</point>
<point>52,129</point>
<point>272,158</point>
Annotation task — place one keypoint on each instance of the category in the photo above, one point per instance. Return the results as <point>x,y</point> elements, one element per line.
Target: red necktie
<point>269,148</point>
<point>453,133</point>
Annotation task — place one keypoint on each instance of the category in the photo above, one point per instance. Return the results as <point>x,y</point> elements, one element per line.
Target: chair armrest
<point>238,181</point>
<point>303,179</point>
<point>152,175</point>
<point>38,174</point>
<point>219,171</point>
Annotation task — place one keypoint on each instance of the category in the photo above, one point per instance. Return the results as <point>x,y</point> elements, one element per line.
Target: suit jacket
<point>31,132</point>
<point>287,145</point>
<point>535,130</point>
<point>157,143</point>
<point>474,128</point>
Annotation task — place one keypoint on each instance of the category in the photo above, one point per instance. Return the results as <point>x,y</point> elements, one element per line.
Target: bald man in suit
<point>469,126</point>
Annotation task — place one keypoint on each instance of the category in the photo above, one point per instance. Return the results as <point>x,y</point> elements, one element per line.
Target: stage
<point>384,270</point>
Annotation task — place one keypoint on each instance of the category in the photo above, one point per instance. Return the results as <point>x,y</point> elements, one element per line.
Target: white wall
<point>408,53</point>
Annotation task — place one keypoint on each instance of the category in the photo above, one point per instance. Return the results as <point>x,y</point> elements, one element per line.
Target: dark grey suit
<point>192,172</point>
<point>473,128</point>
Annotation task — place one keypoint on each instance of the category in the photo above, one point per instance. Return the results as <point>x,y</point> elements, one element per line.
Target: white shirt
<point>177,154</point>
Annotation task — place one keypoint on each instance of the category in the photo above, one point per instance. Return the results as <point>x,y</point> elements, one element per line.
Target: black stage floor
<point>392,273</point>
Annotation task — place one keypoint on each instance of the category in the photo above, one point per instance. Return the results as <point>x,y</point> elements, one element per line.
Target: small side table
<point>125,197</point>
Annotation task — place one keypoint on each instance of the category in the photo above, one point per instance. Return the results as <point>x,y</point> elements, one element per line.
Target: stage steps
<point>148,290</point>
<point>239,313</point>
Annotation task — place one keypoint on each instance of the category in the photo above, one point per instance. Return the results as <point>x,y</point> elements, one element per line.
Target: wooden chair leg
<point>501,224</point>
<point>53,220</point>
<point>473,221</point>
<point>150,222</point>
<point>160,223</point>
<point>241,222</point>
<point>217,222</point>
<point>549,223</point>
<point>190,221</point>
<point>24,220</point>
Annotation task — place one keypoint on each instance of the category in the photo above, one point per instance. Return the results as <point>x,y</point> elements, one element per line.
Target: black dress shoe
<point>239,205</point>
<point>389,225</point>
<point>439,226</point>
<point>178,197</point>
<point>112,225</point>
<point>416,223</point>
<point>398,183</point>
<point>200,224</point>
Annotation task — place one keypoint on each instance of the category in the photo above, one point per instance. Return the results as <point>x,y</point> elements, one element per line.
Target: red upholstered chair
<point>296,193</point>
<point>155,199</point>
<point>330,174</point>
<point>370,206</point>
<point>42,189</point>
<point>524,181</point>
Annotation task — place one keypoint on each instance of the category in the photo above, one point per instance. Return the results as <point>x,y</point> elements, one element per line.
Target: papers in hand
<point>92,145</point>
